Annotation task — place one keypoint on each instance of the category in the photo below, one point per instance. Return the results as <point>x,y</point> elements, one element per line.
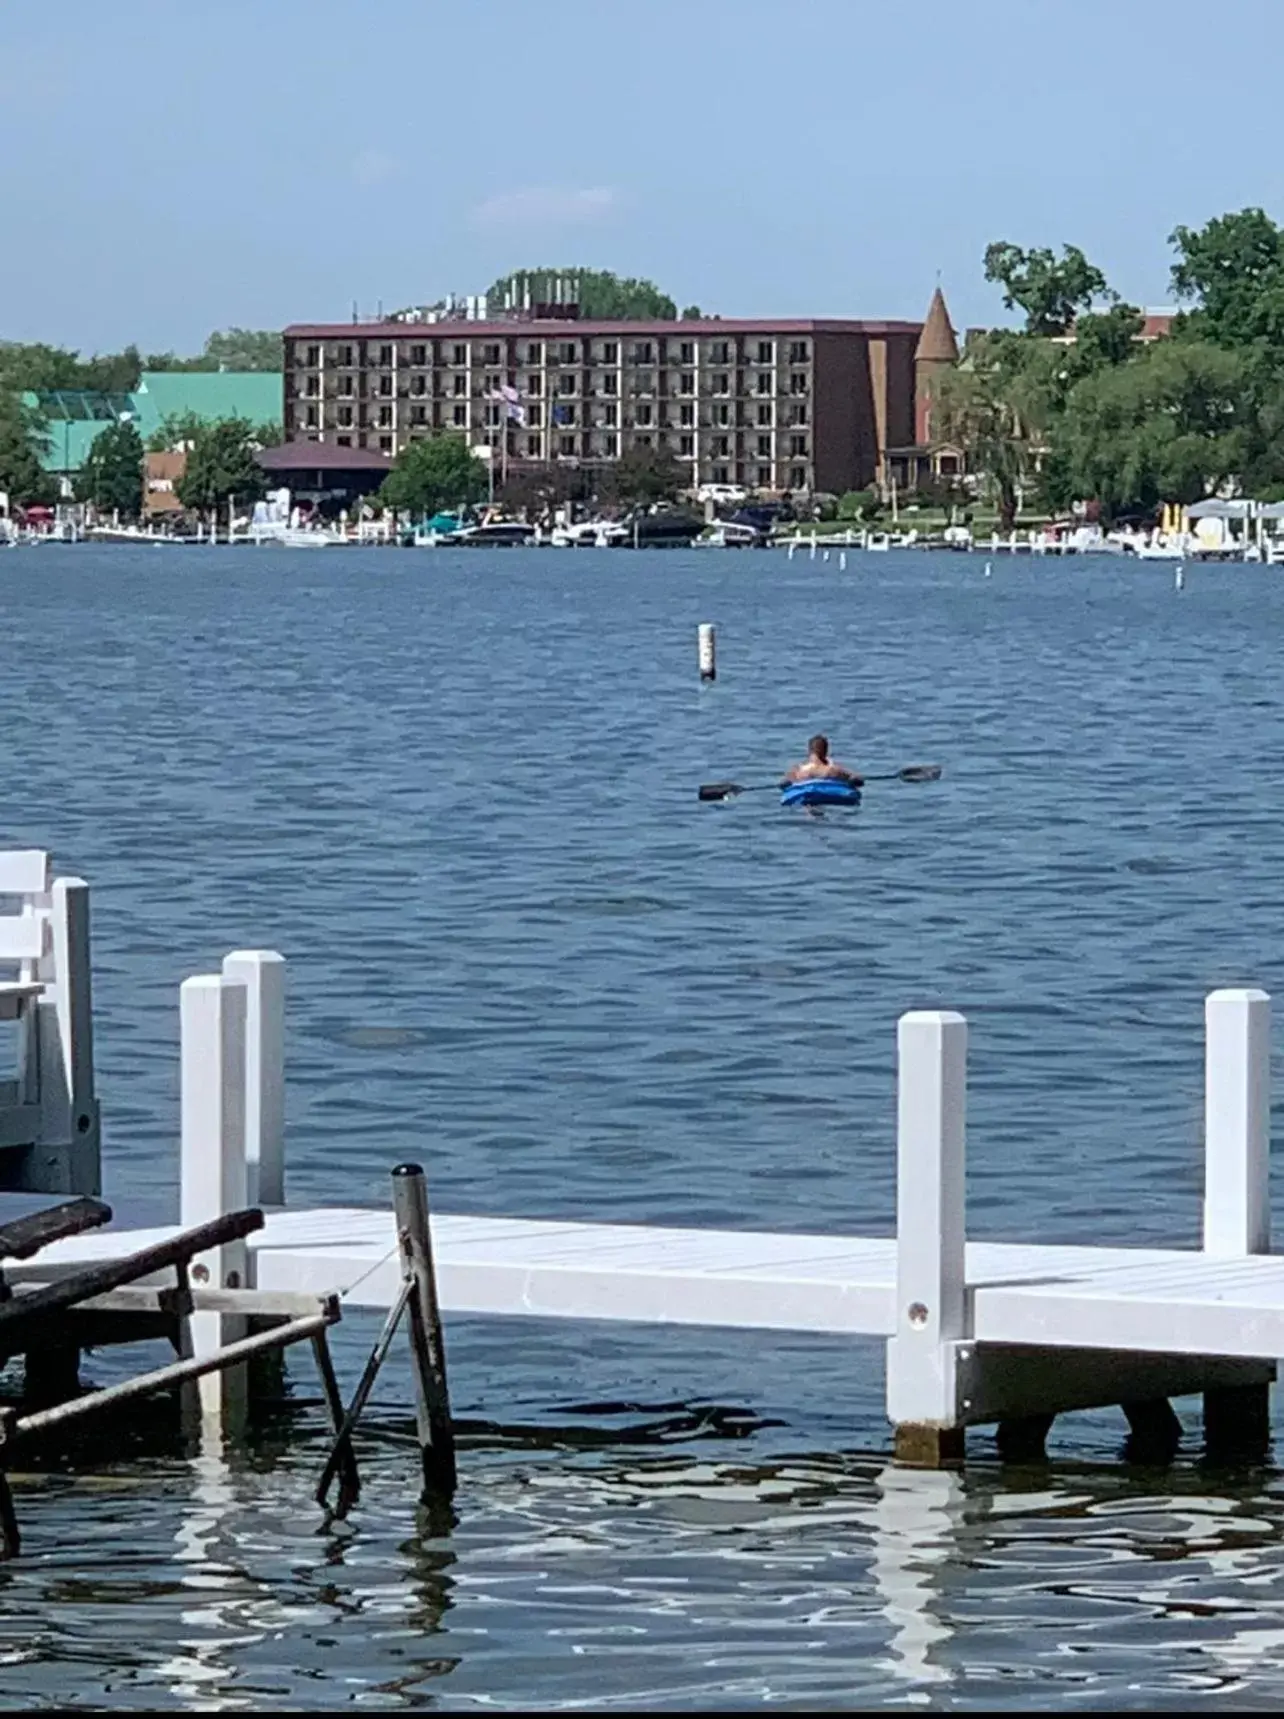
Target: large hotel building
<point>782,406</point>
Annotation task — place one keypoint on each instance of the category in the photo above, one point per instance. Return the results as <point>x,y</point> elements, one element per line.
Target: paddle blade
<point>921,773</point>
<point>718,790</point>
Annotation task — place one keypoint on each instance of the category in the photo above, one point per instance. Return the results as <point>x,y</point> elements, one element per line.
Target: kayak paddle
<point>727,790</point>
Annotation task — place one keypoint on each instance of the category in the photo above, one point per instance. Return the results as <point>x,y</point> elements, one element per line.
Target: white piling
<point>212,1159</point>
<point>842,560</point>
<point>1237,1122</point>
<point>69,1118</point>
<point>824,555</point>
<point>707,651</point>
<point>262,972</point>
<point>930,1225</point>
<point>812,555</point>
<point>793,544</point>
<point>1179,580</point>
<point>989,569</point>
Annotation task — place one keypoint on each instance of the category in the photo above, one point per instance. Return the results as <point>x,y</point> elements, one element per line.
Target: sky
<point>168,167</point>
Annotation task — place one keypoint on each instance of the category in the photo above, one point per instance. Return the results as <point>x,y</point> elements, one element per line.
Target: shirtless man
<point>819,765</point>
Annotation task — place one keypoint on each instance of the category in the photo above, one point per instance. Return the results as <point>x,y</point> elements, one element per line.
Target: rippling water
<point>459,794</point>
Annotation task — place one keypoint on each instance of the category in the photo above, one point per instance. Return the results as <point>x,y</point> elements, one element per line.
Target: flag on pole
<point>514,411</point>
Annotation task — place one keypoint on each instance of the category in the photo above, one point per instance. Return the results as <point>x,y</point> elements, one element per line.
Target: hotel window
<point>720,474</point>
<point>798,477</point>
<point>764,414</point>
<point>686,383</point>
<point>686,445</point>
<point>765,382</point>
<point>566,444</point>
<point>461,385</point>
<point>686,415</point>
<point>385,384</point>
<point>312,385</point>
<point>764,477</point>
<point>534,447</point>
<point>610,414</point>
<point>344,441</point>
<point>643,415</point>
<point>534,386</point>
<point>492,417</point>
<point>798,414</point>
<point>722,445</point>
<point>345,355</point>
<point>797,351</point>
<point>346,385</point>
<point>490,353</point>
<point>461,416</point>
<point>385,444</point>
<point>385,355</point>
<point>720,352</point>
<point>312,418</point>
<point>764,447</point>
<point>419,355</point>
<point>610,384</point>
<point>535,355</point>
<point>722,414</point>
<point>566,352</point>
<point>345,415</point>
<point>642,441</point>
<point>766,353</point>
<point>418,384</point>
<point>611,445</point>
<point>418,415</point>
<point>797,444</point>
<point>461,355</point>
<point>643,352</point>
<point>385,417</point>
<point>722,383</point>
<point>798,382</point>
<point>686,352</point>
<point>567,384</point>
<point>611,352</point>
<point>644,382</point>
<point>314,356</point>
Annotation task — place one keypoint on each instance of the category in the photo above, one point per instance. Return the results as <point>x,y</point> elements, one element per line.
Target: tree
<point>599,293</point>
<point>434,473</point>
<point>245,349</point>
<point>645,475</point>
<point>220,465</point>
<point>112,475</point>
<point>1051,291</point>
<point>22,437</point>
<point>1232,273</point>
<point>1172,424</point>
<point>995,405</point>
<point>43,369</point>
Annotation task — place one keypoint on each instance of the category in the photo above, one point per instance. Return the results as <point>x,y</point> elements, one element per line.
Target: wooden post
<point>1237,1203</point>
<point>213,1175</point>
<point>930,1235</point>
<point>262,972</point>
<point>427,1347</point>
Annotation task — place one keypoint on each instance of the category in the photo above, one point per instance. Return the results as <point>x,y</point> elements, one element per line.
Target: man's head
<point>818,747</point>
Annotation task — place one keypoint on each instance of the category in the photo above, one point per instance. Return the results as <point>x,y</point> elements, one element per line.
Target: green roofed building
<point>74,419</point>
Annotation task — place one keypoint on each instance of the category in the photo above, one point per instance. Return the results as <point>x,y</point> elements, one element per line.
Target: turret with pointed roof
<point>937,350</point>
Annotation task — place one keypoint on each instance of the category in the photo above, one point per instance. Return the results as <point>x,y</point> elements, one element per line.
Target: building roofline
<point>556,328</point>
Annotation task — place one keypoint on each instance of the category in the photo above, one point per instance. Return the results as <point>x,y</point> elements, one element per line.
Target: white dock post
<point>213,1165</point>
<point>1237,1122</point>
<point>262,972</point>
<point>930,1236</point>
<point>1237,1203</point>
<point>69,1121</point>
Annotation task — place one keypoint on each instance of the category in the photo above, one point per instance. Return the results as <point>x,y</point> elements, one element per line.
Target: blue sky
<point>167,168</point>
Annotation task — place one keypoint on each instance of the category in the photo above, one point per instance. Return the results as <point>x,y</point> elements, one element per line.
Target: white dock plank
<point>1149,1300</point>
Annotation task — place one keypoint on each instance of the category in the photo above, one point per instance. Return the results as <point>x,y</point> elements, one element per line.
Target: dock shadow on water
<point>606,1001</point>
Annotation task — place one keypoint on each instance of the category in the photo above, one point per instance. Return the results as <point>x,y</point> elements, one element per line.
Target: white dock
<point>976,1332</point>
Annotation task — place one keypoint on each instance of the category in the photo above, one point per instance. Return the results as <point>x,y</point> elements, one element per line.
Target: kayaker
<point>819,765</point>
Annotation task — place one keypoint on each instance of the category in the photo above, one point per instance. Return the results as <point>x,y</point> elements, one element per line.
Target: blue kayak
<point>820,792</point>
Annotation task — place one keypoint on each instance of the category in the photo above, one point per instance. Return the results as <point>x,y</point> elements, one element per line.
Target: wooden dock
<point>1007,1333</point>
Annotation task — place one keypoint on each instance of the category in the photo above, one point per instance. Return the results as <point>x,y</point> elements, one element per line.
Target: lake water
<point>458,792</point>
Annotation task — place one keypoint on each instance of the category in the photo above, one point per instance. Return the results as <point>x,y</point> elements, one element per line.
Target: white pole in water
<point>824,555</point>
<point>1179,582</point>
<point>988,569</point>
<point>1237,1123</point>
<point>812,556</point>
<point>707,651</point>
<point>842,560</point>
<point>792,546</point>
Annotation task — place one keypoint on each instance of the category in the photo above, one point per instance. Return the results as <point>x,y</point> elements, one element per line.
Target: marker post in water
<point>707,651</point>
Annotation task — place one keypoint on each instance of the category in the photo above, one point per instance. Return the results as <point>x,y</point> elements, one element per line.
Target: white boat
<point>878,542</point>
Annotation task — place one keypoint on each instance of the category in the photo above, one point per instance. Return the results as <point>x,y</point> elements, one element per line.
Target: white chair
<point>49,1117</point>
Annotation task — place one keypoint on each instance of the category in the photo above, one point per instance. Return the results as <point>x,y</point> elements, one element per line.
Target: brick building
<point>784,406</point>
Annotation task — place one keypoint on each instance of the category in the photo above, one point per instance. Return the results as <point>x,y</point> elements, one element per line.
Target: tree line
<point>1076,407</point>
